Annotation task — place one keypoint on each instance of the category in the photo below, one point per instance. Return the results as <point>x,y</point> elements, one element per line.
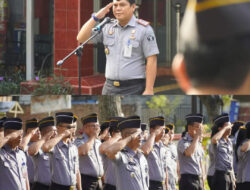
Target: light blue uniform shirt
<point>42,168</point>
<point>131,170</point>
<point>109,171</point>
<point>157,162</point>
<point>13,169</point>
<point>211,168</point>
<point>90,164</point>
<point>115,38</point>
<point>172,159</point>
<point>64,163</point>
<point>243,174</point>
<point>190,165</point>
<point>223,151</point>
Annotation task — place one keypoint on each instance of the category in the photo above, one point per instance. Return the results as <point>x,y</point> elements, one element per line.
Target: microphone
<point>99,26</point>
<point>59,63</point>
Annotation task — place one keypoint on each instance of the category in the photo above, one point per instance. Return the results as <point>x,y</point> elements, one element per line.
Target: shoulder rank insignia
<point>143,22</point>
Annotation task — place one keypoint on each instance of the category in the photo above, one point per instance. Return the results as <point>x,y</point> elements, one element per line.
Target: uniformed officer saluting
<point>109,170</point>
<point>13,161</point>
<point>91,166</point>
<point>155,152</point>
<point>32,135</point>
<point>172,158</point>
<point>64,155</point>
<point>223,150</point>
<point>42,177</point>
<point>131,167</point>
<point>243,158</point>
<point>190,154</point>
<point>128,42</point>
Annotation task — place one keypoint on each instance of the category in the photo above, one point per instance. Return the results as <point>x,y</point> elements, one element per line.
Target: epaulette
<point>124,150</point>
<point>143,22</point>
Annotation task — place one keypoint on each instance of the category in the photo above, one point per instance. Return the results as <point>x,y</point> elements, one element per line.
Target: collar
<point>188,137</point>
<point>132,22</point>
<point>130,151</point>
<point>85,136</point>
<point>61,144</point>
<point>9,149</point>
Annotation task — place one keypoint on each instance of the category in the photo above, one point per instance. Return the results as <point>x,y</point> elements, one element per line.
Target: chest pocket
<point>45,159</point>
<point>131,166</point>
<point>109,41</point>
<point>6,163</point>
<point>135,44</point>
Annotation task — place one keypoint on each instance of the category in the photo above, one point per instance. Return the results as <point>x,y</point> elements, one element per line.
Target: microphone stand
<point>78,51</point>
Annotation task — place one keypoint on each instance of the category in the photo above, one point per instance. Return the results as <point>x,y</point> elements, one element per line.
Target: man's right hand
<point>105,10</point>
<point>15,134</point>
<point>135,135</point>
<point>158,131</point>
<point>48,135</point>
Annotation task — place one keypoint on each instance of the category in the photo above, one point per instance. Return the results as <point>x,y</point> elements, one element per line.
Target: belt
<point>192,176</point>
<point>37,184</point>
<point>109,187</point>
<point>62,187</point>
<point>91,177</point>
<point>223,172</point>
<point>118,83</point>
<point>157,182</point>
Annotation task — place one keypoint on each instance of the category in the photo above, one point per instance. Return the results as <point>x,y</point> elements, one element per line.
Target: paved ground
<point>167,85</point>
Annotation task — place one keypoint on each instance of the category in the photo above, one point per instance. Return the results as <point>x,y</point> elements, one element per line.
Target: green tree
<point>164,105</point>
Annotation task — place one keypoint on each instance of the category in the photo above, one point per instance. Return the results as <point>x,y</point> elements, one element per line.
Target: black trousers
<point>243,186</point>
<point>210,182</point>
<point>55,186</point>
<point>156,185</point>
<point>109,187</point>
<point>90,183</point>
<point>223,180</point>
<point>130,87</point>
<point>190,182</point>
<point>39,186</point>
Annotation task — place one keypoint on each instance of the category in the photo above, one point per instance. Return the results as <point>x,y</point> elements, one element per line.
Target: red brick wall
<point>69,16</point>
<point>244,113</point>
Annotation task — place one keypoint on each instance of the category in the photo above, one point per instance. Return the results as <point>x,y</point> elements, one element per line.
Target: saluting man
<point>131,167</point>
<point>41,160</point>
<point>64,155</point>
<point>13,162</point>
<point>128,43</point>
<point>91,165</point>
<point>223,149</point>
<point>109,169</point>
<point>190,154</point>
<point>155,152</point>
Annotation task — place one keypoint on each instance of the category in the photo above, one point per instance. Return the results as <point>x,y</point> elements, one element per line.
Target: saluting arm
<point>85,148</point>
<point>148,145</point>
<point>5,139</point>
<point>35,147</point>
<point>219,134</point>
<point>108,143</point>
<point>49,145</point>
<point>245,146</point>
<point>151,69</point>
<point>118,146</point>
<point>191,149</point>
<point>86,29</point>
<point>26,139</point>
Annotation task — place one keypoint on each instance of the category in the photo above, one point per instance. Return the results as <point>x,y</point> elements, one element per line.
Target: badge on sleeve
<point>150,38</point>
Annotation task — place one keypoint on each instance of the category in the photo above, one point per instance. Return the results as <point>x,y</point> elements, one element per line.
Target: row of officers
<point>120,154</point>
